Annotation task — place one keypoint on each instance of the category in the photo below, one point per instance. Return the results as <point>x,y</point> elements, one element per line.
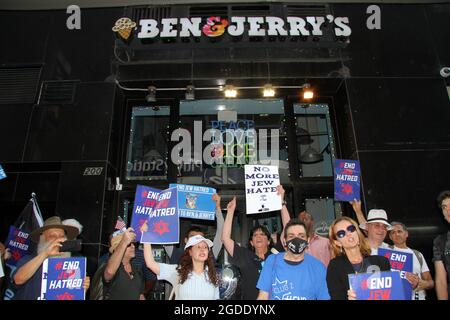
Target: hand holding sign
<point>281,192</point>
<point>216,199</point>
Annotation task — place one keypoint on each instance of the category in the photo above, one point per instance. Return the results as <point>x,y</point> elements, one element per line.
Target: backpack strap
<point>419,257</point>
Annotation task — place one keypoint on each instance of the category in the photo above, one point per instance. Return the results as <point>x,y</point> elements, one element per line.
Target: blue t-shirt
<point>30,290</point>
<point>305,281</point>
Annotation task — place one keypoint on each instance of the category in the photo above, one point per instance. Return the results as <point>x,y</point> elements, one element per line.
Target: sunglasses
<point>341,233</point>
<point>135,243</point>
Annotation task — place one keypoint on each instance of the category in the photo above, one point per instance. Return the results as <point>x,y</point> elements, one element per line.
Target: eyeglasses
<point>133,243</point>
<point>341,233</point>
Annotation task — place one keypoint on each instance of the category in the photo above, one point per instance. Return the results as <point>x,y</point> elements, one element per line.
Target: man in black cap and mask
<point>28,275</point>
<point>294,274</point>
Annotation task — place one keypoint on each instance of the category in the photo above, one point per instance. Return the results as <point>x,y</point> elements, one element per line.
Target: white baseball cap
<point>197,239</point>
<point>376,215</point>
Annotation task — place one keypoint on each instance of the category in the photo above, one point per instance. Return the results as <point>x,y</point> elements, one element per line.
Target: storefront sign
<point>217,26</point>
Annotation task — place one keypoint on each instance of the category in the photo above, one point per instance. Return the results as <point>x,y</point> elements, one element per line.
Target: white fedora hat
<point>376,215</point>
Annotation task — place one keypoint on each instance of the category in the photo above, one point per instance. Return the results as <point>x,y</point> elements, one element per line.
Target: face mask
<point>297,245</point>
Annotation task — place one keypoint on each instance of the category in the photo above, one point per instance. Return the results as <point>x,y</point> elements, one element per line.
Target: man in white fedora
<point>376,225</point>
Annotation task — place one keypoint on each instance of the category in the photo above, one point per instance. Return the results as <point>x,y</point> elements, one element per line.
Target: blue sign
<point>162,225</point>
<point>195,202</point>
<point>144,202</point>
<point>377,286</point>
<point>18,243</point>
<point>401,262</point>
<point>62,279</point>
<point>347,180</point>
<point>2,173</point>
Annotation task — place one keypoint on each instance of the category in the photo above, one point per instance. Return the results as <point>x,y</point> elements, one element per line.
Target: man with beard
<point>28,274</point>
<point>294,274</point>
<point>318,247</point>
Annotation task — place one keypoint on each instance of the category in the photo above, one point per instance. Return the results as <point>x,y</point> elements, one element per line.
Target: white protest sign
<point>261,188</point>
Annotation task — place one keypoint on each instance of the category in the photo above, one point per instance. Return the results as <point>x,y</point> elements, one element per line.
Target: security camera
<point>445,72</point>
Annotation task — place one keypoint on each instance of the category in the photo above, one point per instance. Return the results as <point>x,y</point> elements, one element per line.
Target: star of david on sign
<point>161,227</point>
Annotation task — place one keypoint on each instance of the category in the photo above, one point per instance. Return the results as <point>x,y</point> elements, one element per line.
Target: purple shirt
<point>319,247</point>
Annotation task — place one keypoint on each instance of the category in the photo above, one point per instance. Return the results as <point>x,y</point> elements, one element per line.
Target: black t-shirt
<point>122,287</point>
<point>339,269</point>
<point>250,266</point>
<point>441,252</point>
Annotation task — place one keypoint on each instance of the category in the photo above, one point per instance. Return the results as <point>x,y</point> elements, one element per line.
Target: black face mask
<point>297,245</point>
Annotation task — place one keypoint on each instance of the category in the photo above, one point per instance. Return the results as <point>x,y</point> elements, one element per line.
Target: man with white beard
<point>28,274</point>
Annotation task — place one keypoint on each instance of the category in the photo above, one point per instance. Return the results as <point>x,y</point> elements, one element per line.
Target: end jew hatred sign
<point>401,262</point>
<point>346,180</point>
<point>261,189</point>
<point>18,243</point>
<point>62,279</point>
<point>377,286</point>
<point>2,173</point>
<point>144,202</point>
<point>195,202</point>
<point>162,224</point>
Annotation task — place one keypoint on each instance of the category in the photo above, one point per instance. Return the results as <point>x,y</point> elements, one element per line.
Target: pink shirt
<point>319,247</point>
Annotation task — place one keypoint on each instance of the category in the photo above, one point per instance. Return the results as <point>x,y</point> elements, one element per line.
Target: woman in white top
<point>195,277</point>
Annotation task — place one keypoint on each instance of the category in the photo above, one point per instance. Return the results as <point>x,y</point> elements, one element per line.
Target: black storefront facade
<point>79,128</point>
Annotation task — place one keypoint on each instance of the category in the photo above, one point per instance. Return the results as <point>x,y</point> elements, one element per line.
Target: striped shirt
<point>196,287</point>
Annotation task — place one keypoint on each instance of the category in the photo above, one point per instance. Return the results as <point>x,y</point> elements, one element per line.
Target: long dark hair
<point>185,267</point>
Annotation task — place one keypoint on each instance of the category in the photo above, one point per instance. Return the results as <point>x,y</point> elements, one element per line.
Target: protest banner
<point>261,189</point>
<point>401,262</point>
<point>195,202</point>
<point>144,201</point>
<point>347,180</point>
<point>2,173</point>
<point>62,279</point>
<point>162,224</point>
<point>18,243</point>
<point>377,286</point>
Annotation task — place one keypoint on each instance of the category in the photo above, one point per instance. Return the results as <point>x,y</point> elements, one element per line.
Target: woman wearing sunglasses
<point>352,255</point>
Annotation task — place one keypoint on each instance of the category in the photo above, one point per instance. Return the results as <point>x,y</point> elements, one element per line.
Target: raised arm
<point>149,260</point>
<point>219,217</point>
<point>24,273</point>
<point>116,258</point>
<point>356,205</point>
<point>227,226</point>
<point>285,216</point>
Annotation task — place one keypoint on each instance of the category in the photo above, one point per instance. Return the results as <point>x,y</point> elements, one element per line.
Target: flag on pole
<point>120,224</point>
<point>30,217</point>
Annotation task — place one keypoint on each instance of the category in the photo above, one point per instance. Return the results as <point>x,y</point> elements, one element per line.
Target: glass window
<point>147,147</point>
<point>252,117</point>
<point>315,142</point>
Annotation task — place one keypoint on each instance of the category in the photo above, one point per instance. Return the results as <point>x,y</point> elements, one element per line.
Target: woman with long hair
<point>195,277</point>
<point>352,255</point>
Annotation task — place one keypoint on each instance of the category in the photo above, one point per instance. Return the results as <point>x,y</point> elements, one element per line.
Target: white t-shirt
<point>196,287</point>
<point>375,250</point>
<point>417,269</point>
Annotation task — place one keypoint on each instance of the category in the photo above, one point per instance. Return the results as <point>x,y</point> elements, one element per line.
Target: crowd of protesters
<point>304,265</point>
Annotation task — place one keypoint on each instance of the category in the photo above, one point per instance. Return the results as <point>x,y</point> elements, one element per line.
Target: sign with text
<point>377,286</point>
<point>62,279</point>
<point>144,202</point>
<point>195,202</point>
<point>18,243</point>
<point>346,180</point>
<point>163,224</point>
<point>261,189</point>
<point>401,262</point>
<point>2,173</point>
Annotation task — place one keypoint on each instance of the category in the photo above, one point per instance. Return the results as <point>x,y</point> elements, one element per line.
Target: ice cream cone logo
<point>123,27</point>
